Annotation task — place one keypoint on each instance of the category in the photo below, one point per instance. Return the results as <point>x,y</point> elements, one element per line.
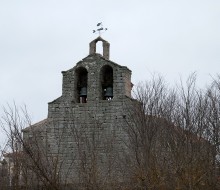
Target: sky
<point>39,39</point>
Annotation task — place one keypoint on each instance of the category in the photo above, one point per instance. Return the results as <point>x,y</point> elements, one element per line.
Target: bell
<point>109,92</point>
<point>83,92</point>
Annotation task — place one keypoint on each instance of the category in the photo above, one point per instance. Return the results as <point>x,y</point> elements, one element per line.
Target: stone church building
<point>83,133</point>
<point>96,136</point>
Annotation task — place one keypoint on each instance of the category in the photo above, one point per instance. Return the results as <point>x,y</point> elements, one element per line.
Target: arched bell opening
<point>107,82</point>
<point>81,85</point>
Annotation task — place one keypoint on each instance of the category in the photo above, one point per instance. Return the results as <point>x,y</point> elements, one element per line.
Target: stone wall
<point>93,64</point>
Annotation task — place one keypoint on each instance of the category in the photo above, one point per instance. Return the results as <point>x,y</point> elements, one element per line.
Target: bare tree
<point>169,146</point>
<point>32,166</point>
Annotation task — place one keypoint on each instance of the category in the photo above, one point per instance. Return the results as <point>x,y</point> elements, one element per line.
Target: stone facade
<point>89,115</point>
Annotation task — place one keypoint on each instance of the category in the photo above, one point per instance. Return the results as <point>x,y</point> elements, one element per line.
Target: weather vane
<point>100,29</point>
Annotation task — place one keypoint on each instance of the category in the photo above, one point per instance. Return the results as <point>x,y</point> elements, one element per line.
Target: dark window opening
<point>107,82</point>
<point>82,77</point>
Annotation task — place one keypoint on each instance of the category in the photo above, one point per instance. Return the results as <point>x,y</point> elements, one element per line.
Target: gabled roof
<point>36,126</point>
<point>96,56</point>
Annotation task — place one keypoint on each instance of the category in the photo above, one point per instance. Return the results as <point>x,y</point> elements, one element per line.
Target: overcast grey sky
<point>41,38</point>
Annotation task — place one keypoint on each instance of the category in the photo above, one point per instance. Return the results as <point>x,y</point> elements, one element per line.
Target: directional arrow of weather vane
<point>100,29</point>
